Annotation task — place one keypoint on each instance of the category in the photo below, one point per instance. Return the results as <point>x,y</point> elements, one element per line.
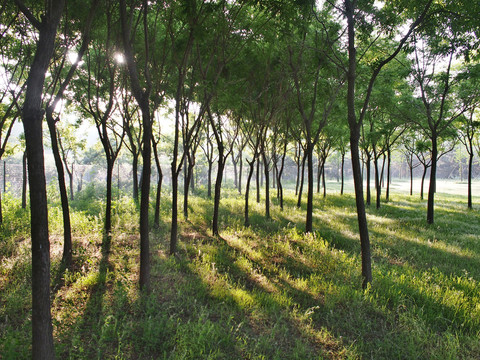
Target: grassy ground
<point>264,292</point>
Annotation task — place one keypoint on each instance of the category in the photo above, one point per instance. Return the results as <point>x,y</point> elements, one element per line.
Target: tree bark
<point>343,173</point>
<point>302,175</point>
<point>209,179</point>
<point>42,337</point>
<point>258,181</point>
<point>354,139</point>
<point>267,184</point>
<point>470,170</point>
<point>24,180</point>
<point>423,180</point>
<point>67,231</point>
<point>389,169</point>
<point>247,190</point>
<point>432,185</point>
<point>309,218</point>
<point>368,166</point>
<point>218,188</point>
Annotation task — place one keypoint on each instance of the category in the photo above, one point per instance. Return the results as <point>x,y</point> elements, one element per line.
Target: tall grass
<point>263,292</point>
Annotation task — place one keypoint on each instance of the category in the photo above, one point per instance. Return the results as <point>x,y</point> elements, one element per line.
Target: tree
<point>314,79</point>
<point>435,88</point>
<point>98,101</point>
<point>32,115</point>
<point>468,124</point>
<point>361,18</point>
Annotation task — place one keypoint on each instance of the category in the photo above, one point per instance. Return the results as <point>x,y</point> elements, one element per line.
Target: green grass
<point>263,292</point>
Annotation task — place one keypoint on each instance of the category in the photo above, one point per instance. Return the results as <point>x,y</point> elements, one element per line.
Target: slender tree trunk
<point>279,176</point>
<point>382,178</point>
<point>361,214</point>
<point>267,185</point>
<point>323,180</point>
<point>470,170</point>
<point>378,185</point>
<point>247,190</point>
<point>354,139</point>
<point>258,181</point>
<point>411,179</point>
<point>70,178</point>
<point>235,172</point>
<point>158,197</point>
<point>240,172</point>
<point>135,176</point>
<point>343,174</point>
<point>67,231</point>
<point>432,185</point>
<point>302,175</point>
<point>319,174</point>
<point>24,180</point>
<point>309,219</point>
<point>423,181</point>
<point>218,188</point>
<point>108,200</point>
<point>145,197</point>
<point>297,180</point>
<point>368,166</point>
<point>186,184</point>
<point>389,172</point>
<point>209,179</point>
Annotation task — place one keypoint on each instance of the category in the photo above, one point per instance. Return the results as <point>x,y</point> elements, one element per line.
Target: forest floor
<point>263,292</point>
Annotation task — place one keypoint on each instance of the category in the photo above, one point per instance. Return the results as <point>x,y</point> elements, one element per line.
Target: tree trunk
<point>258,181</point>
<point>189,170</point>
<point>368,166</point>
<point>432,185</point>
<point>235,172</point>
<point>470,169</point>
<point>302,175</point>
<point>67,231</point>
<point>319,174</point>
<point>42,338</point>
<point>423,180</point>
<point>158,197</point>
<point>378,185</point>
<point>309,219</point>
<point>279,176</point>
<point>240,172</point>
<point>145,197</point>
<point>209,179</point>
<point>343,173</point>
<point>218,188</point>
<point>24,180</point>
<point>108,199</point>
<point>361,214</point>
<point>70,178</point>
<point>354,139</point>
<point>389,169</point>
<point>323,180</point>
<point>135,177</point>
<point>411,178</point>
<point>247,189</point>
<point>267,185</point>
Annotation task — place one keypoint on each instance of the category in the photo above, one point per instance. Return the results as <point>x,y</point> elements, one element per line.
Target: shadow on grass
<point>87,330</point>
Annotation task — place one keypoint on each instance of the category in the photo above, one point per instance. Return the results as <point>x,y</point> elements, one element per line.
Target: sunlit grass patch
<point>262,292</point>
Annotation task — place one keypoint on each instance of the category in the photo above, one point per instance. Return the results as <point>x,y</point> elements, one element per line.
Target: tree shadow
<point>87,327</point>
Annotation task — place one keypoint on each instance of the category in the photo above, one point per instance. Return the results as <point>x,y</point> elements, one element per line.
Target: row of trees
<point>244,79</point>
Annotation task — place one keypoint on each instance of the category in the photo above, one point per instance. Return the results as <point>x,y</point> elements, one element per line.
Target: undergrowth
<point>263,292</point>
